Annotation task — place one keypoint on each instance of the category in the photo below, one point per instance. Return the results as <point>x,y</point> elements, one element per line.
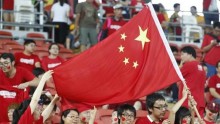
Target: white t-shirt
<point>60,12</point>
<point>213,5</point>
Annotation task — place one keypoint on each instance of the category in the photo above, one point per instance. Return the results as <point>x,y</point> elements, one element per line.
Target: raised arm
<point>92,115</point>
<point>49,108</point>
<point>177,106</point>
<point>37,93</point>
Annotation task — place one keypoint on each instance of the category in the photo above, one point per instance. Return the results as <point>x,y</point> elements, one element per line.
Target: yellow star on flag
<point>123,36</point>
<point>126,61</point>
<point>121,49</point>
<point>135,64</point>
<point>142,37</point>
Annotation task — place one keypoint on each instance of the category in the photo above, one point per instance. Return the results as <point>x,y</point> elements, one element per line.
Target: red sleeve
<point>206,41</point>
<point>37,59</point>
<point>40,121</point>
<point>212,82</point>
<point>184,69</point>
<point>27,117</point>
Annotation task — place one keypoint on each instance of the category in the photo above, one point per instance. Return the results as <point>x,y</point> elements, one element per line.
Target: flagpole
<point>165,42</point>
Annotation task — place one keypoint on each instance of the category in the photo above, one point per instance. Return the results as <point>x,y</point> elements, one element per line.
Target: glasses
<point>161,107</point>
<point>4,64</point>
<point>76,117</point>
<point>128,115</point>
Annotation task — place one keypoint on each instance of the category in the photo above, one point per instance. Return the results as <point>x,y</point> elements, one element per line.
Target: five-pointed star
<point>135,64</point>
<point>121,48</point>
<point>123,36</point>
<point>126,61</point>
<point>142,37</point>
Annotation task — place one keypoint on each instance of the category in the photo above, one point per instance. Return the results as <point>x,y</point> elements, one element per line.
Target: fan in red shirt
<point>211,111</point>
<point>32,110</point>
<point>214,84</point>
<point>211,48</point>
<point>26,58</point>
<point>116,22</point>
<point>195,77</point>
<point>10,98</point>
<point>156,107</point>
<point>15,76</point>
<point>138,5</point>
<point>53,60</point>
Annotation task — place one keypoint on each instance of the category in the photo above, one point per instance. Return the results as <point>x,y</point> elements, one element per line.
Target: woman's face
<point>10,114</point>
<point>71,118</point>
<point>54,50</point>
<point>186,120</point>
<point>127,117</point>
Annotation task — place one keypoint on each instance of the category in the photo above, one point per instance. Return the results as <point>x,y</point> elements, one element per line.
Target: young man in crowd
<point>15,76</point>
<point>26,58</point>
<point>194,76</point>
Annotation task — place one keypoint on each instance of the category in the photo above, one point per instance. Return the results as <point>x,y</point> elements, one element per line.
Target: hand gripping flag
<point>134,61</point>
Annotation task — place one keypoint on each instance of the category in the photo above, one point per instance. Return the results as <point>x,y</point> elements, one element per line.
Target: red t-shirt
<point>161,17</point>
<point>114,25</point>
<point>28,118</point>
<point>50,64</point>
<point>145,120</point>
<point>8,4</point>
<point>26,61</point>
<point>195,80</point>
<point>22,75</point>
<point>213,55</point>
<point>214,82</point>
<point>8,96</point>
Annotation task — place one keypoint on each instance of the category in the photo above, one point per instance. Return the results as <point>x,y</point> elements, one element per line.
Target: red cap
<point>213,106</point>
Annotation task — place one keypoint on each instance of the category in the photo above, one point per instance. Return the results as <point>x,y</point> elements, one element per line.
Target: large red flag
<point>131,63</point>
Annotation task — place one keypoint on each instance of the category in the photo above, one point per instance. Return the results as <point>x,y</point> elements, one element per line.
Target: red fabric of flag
<point>129,64</point>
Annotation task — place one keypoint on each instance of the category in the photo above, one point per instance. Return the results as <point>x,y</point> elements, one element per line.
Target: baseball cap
<point>213,106</point>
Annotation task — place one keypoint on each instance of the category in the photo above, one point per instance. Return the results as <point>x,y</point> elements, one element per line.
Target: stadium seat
<point>41,54</point>
<point>13,47</point>
<point>41,49</point>
<point>104,116</point>
<point>3,51</point>
<point>40,36</point>
<point>7,42</point>
<point>6,35</point>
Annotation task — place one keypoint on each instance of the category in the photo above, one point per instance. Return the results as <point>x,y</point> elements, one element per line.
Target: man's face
<point>211,115</point>
<point>193,10</point>
<point>159,109</point>
<point>118,12</point>
<point>185,57</point>
<point>127,117</point>
<point>216,31</point>
<point>177,9</point>
<point>6,64</point>
<point>30,47</point>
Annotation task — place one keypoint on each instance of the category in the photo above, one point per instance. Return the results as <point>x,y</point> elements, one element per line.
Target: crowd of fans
<point>30,74</point>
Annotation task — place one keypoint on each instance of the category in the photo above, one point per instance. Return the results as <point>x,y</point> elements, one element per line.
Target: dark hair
<point>181,113</point>
<point>216,24</point>
<point>193,7</point>
<point>44,100</point>
<point>8,55</point>
<point>151,99</point>
<point>173,49</point>
<point>52,45</point>
<point>20,111</point>
<point>125,107</point>
<point>176,5</point>
<point>66,112</point>
<point>38,71</point>
<point>28,41</point>
<point>156,7</point>
<point>217,64</point>
<point>189,50</point>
